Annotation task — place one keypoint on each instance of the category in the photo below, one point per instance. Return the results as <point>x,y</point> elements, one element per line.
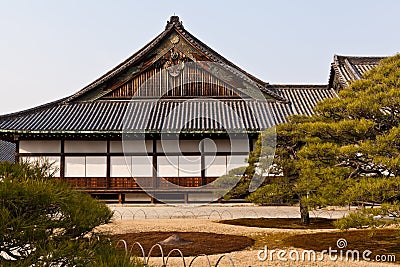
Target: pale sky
<point>51,49</point>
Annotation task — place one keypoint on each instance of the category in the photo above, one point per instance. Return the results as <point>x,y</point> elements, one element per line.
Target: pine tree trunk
<point>305,215</point>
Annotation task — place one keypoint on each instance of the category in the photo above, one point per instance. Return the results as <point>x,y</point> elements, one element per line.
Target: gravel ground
<point>217,211</point>
<point>243,258</point>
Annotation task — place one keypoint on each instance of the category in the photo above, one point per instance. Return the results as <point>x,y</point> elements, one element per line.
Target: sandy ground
<point>245,258</point>
<point>217,211</point>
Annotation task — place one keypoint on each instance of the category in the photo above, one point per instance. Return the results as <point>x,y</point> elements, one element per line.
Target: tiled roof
<point>7,150</point>
<point>106,116</point>
<point>168,114</point>
<point>348,69</point>
<point>302,98</point>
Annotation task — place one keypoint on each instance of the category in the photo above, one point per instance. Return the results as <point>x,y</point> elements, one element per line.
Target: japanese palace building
<point>178,92</point>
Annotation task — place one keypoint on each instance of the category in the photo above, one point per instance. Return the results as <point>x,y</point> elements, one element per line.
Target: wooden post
<point>108,167</point>
<point>62,159</point>
<point>16,154</point>
<point>202,163</point>
<point>155,179</point>
<point>251,145</point>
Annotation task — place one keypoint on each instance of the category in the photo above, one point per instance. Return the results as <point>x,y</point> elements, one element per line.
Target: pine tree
<point>348,152</point>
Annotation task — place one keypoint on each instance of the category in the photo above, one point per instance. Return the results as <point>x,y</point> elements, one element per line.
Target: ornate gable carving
<point>174,61</point>
<point>168,62</point>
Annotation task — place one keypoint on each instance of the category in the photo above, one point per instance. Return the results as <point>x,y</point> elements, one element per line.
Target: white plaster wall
<point>215,166</point>
<point>189,166</point>
<point>85,146</point>
<point>223,145</point>
<point>142,166</point>
<point>39,146</point>
<point>121,166</point>
<point>131,146</point>
<point>75,166</point>
<point>132,166</point>
<point>189,145</point>
<point>210,145</point>
<point>175,146</point>
<point>167,167</point>
<point>168,146</point>
<point>226,145</point>
<point>240,145</point>
<point>96,166</point>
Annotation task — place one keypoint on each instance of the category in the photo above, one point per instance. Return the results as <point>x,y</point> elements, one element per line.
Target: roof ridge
<point>361,57</point>
<point>298,85</point>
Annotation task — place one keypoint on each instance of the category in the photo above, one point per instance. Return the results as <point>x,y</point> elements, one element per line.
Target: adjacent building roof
<point>302,99</point>
<point>346,69</point>
<point>7,150</point>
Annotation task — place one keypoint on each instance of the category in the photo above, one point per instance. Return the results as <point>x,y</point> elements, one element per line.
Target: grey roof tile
<point>169,114</point>
<point>7,150</point>
<point>350,68</point>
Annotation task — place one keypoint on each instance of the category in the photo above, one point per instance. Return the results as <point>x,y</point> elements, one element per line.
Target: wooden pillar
<point>251,145</point>
<point>155,179</point>
<point>62,159</point>
<point>121,198</point>
<point>202,163</point>
<point>16,154</point>
<point>108,167</point>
